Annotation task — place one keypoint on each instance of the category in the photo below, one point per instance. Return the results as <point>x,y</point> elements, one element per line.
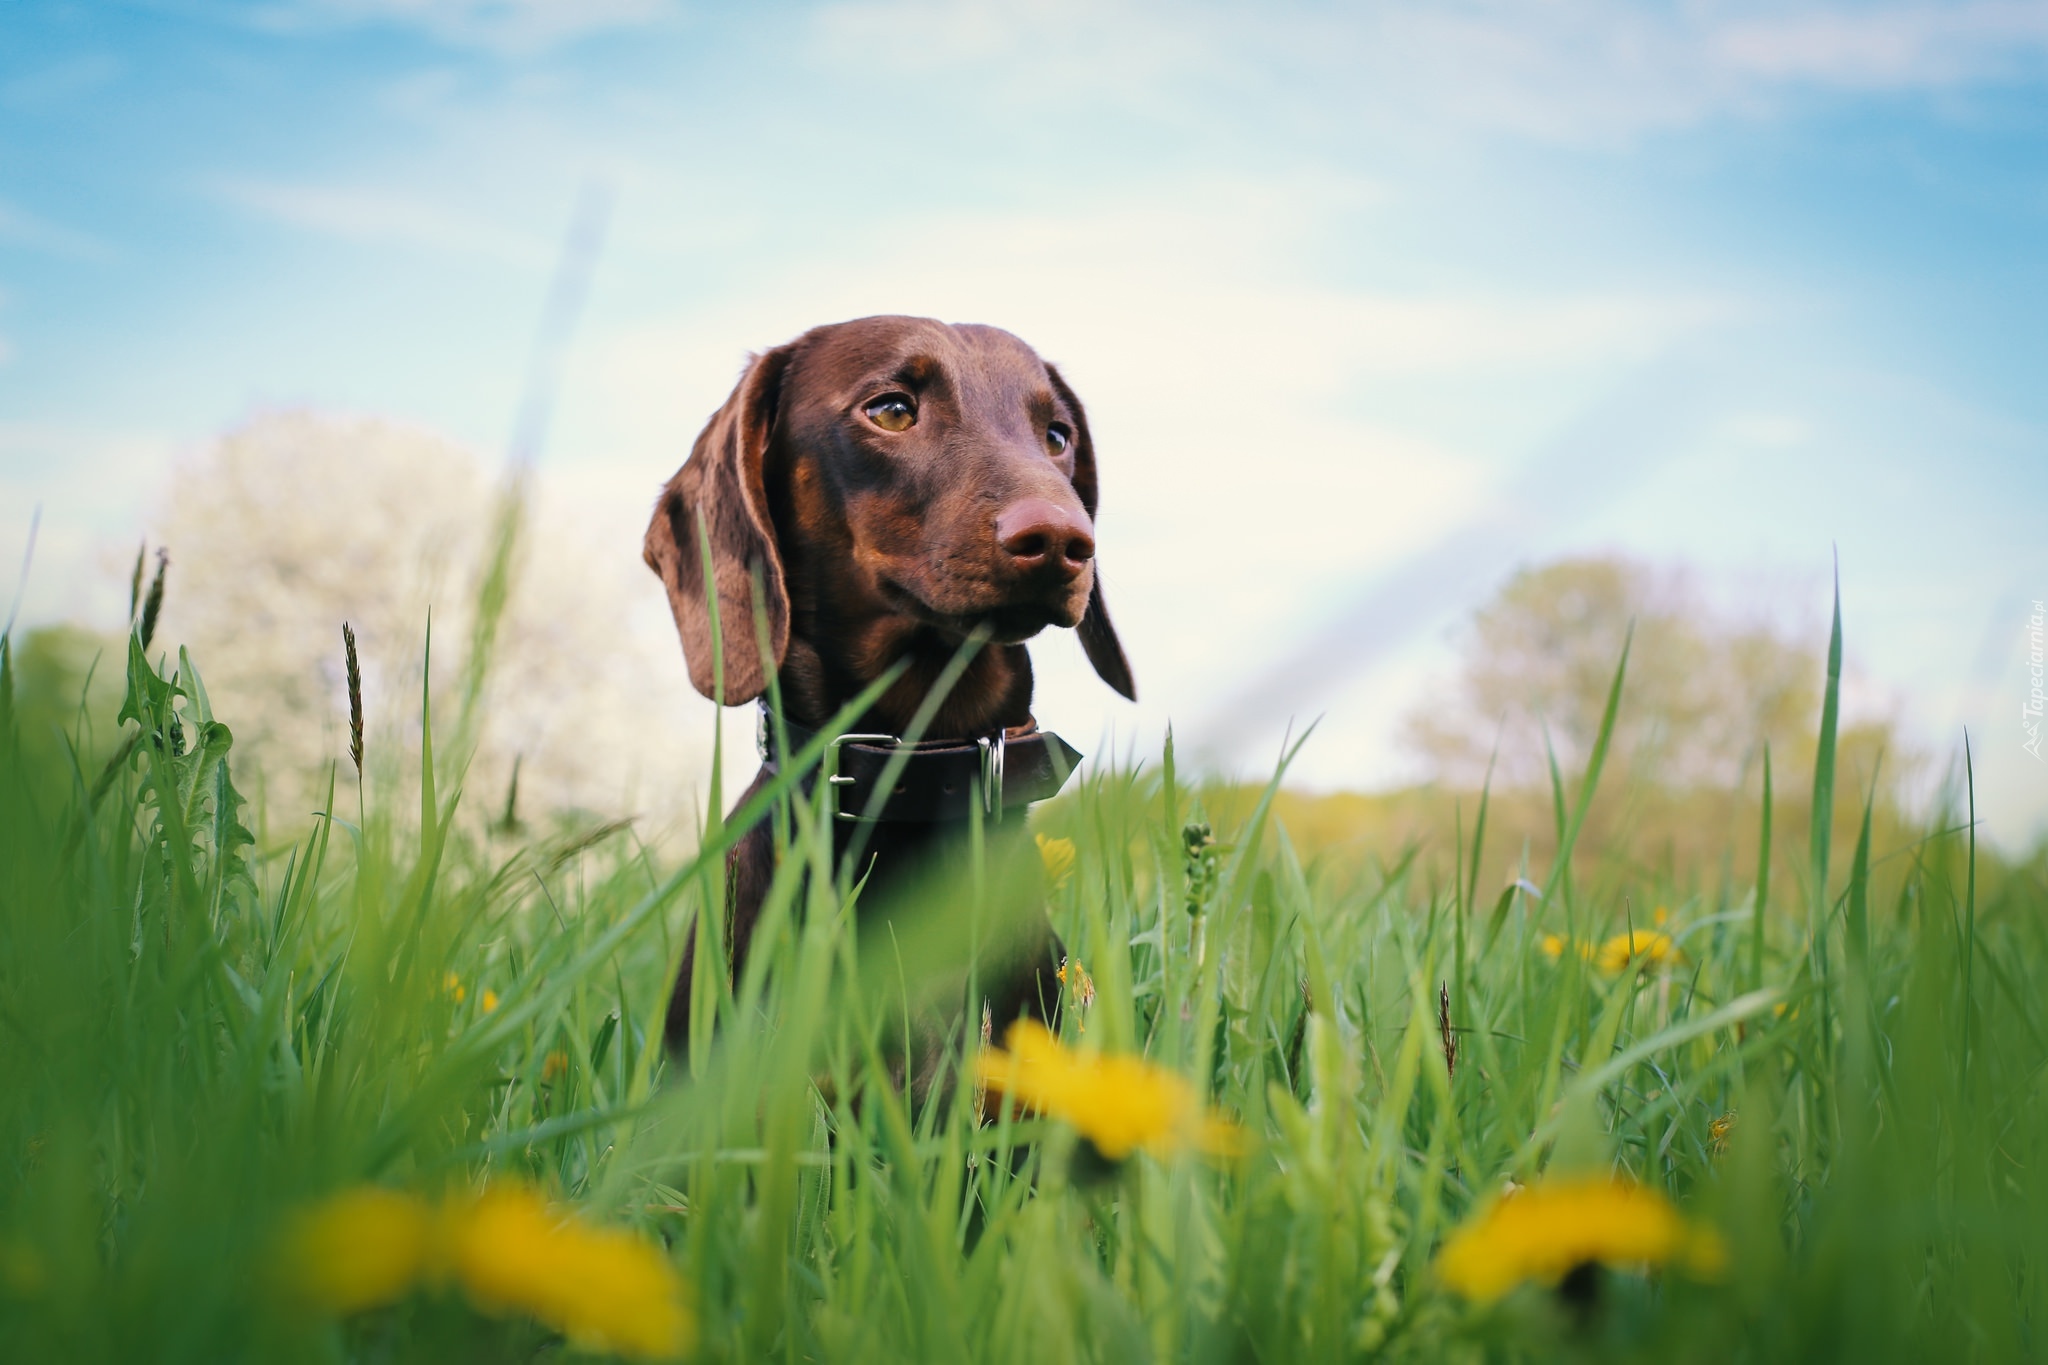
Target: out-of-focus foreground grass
<point>201,1038</point>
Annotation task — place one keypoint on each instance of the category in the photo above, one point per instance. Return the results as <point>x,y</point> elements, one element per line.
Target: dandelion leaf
<point>149,696</point>
<point>229,835</point>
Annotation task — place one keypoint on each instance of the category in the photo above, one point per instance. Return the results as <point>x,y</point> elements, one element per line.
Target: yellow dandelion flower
<point>603,1288</point>
<point>1058,855</point>
<point>1660,916</point>
<point>1644,948</point>
<point>1549,1229</point>
<point>489,1000</point>
<point>1118,1103</point>
<point>452,985</point>
<point>1555,946</point>
<point>1719,1129</point>
<point>358,1249</point>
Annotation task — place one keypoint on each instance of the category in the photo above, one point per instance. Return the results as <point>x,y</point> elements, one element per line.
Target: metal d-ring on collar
<point>933,780</point>
<point>992,751</point>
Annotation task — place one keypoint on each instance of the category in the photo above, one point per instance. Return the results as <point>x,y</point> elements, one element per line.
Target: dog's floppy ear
<point>722,485</point>
<point>1098,636</point>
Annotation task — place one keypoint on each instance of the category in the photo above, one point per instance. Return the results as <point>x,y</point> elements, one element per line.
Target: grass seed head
<point>1443,1024</point>
<point>355,697</point>
<point>135,582</point>
<point>153,604</point>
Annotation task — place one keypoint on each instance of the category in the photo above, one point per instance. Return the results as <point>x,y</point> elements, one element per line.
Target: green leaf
<point>149,696</point>
<point>229,835</point>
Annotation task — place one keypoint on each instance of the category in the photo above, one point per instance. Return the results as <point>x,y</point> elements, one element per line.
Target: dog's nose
<point>1038,533</point>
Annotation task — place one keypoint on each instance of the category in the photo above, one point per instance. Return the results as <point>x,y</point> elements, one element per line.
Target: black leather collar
<point>936,780</point>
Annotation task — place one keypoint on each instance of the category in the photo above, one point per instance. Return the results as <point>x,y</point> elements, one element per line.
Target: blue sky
<point>1369,303</point>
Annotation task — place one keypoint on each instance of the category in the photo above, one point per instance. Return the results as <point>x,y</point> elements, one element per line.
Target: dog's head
<point>883,477</point>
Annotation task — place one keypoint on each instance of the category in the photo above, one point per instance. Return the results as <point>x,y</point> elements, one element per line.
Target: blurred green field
<point>205,1032</point>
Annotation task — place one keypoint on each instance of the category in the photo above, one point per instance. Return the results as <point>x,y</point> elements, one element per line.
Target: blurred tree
<point>296,522</point>
<point>1705,688</point>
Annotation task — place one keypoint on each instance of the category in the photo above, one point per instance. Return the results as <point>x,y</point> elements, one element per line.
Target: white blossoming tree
<point>295,522</point>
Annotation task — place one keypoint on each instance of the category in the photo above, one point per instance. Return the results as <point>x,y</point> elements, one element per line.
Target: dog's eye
<point>892,412</point>
<point>1059,437</point>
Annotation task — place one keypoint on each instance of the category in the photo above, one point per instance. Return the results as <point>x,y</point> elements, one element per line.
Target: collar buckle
<point>838,781</point>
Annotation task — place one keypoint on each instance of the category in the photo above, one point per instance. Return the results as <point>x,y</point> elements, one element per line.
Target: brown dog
<point>897,484</point>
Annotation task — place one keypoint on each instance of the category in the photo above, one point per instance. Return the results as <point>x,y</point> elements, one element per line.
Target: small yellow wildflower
<point>1118,1103</point>
<point>1660,917</point>
<point>489,1000</point>
<point>1642,947</point>
<point>359,1249</point>
<point>1058,856</point>
<point>453,986</point>
<point>554,1066</point>
<point>1075,978</point>
<point>1549,1229</point>
<point>603,1288</point>
<point>1719,1129</point>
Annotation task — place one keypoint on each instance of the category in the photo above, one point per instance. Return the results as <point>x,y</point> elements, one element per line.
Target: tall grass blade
<point>1969,901</point>
<point>1820,834</point>
<point>1569,835</point>
<point>1856,922</point>
<point>1760,909</point>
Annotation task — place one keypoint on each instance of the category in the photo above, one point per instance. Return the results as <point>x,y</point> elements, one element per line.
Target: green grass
<point>198,1035</point>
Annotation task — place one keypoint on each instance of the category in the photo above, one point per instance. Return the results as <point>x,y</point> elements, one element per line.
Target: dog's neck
<point>993,692</point>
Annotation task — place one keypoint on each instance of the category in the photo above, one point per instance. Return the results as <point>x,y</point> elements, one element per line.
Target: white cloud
<point>507,27</point>
<point>1606,71</point>
<point>1889,48</point>
<point>370,214</point>
<point>22,228</point>
<point>1576,71</point>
